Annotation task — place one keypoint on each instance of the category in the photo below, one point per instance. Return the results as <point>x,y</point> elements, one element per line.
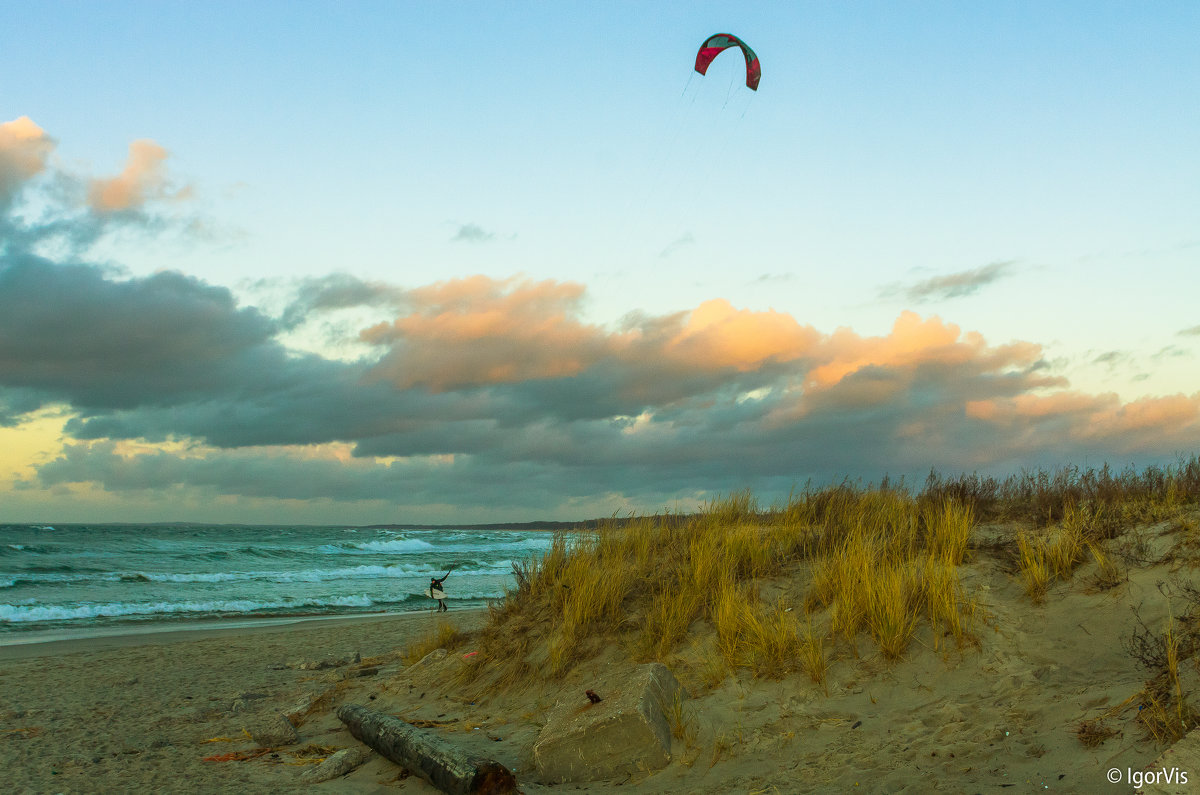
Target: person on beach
<point>436,591</point>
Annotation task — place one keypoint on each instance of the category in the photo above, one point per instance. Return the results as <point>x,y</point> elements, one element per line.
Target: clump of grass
<point>812,656</point>
<point>1066,551</point>
<point>444,636</point>
<point>766,641</point>
<point>681,720</point>
<point>1165,717</point>
<point>950,612</point>
<point>1092,733</point>
<point>1109,573</point>
<point>1034,566</point>
<point>892,611</point>
<point>1165,713</point>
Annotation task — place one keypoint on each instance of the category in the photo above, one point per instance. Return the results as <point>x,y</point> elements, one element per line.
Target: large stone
<point>429,660</point>
<point>298,713</point>
<point>626,733</point>
<point>273,731</point>
<point>339,764</point>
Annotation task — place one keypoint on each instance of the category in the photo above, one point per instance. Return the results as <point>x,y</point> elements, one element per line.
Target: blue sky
<point>1026,171</point>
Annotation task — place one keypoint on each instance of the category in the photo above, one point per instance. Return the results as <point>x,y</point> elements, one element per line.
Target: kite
<point>715,45</point>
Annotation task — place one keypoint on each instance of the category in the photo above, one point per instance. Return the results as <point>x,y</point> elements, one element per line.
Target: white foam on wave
<point>369,572</point>
<point>375,547</point>
<point>25,613</point>
<point>310,575</point>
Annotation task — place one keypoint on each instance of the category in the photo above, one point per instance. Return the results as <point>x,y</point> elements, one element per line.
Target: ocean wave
<point>375,547</point>
<point>27,613</point>
<point>364,572</point>
<point>310,575</point>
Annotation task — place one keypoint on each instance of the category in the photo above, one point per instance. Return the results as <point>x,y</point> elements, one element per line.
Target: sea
<point>76,580</point>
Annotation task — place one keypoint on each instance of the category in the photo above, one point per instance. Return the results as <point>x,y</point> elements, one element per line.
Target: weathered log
<point>445,766</point>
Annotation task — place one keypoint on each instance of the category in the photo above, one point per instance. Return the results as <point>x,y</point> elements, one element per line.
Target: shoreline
<point>56,643</point>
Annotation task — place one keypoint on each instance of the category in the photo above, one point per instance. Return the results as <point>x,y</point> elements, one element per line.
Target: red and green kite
<point>715,45</point>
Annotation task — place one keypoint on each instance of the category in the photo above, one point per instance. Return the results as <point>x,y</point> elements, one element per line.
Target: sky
<point>373,262</point>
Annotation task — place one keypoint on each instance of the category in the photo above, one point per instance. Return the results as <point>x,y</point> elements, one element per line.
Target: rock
<point>339,764</point>
<point>355,673</point>
<point>437,655</point>
<point>298,712</point>
<point>625,733</point>
<point>273,731</point>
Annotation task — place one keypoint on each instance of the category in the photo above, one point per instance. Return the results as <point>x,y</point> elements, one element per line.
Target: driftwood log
<point>445,766</point>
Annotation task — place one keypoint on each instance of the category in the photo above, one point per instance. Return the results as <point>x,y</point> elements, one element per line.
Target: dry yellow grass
<point>870,568</point>
<point>1034,566</point>
<point>877,562</point>
<point>444,636</point>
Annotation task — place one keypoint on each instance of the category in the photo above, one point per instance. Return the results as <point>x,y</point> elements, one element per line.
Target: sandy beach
<point>131,713</point>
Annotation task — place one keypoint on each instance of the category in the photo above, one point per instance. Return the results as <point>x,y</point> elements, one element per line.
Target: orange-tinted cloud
<point>479,331</point>
<point>143,179</point>
<point>1100,418</point>
<point>483,332</point>
<point>24,148</point>
<point>717,335</point>
<point>914,341</point>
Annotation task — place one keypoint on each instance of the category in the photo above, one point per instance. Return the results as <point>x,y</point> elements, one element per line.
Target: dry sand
<point>130,713</point>
<point>93,716</point>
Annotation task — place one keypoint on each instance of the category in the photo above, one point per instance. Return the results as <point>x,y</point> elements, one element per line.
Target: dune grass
<point>864,565</point>
<point>444,636</point>
<point>851,570</point>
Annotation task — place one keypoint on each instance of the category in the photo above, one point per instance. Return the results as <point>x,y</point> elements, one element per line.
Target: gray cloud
<point>660,408</point>
<point>1111,358</point>
<point>676,245</point>
<point>954,285</point>
<point>498,394</point>
<point>339,291</point>
<point>472,233</point>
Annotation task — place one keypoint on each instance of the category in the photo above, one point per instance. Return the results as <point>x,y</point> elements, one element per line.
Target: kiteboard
<point>436,593</point>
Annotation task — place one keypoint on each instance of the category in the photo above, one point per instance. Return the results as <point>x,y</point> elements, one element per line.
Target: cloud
<point>472,233</point>
<point>954,285</point>
<point>1112,358</point>
<point>24,149</point>
<point>339,291</point>
<point>74,211</point>
<point>498,393</point>
<point>1153,425</point>
<point>143,179</point>
<point>681,242</point>
<point>73,333</point>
